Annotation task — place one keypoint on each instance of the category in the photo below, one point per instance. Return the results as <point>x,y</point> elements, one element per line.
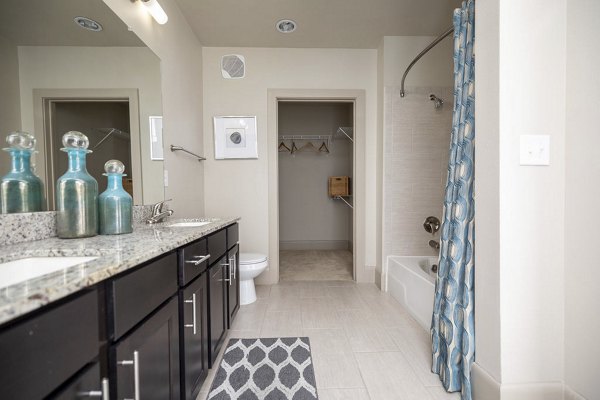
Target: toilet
<point>251,266</point>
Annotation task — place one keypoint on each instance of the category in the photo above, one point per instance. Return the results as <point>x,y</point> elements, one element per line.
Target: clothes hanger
<point>294,148</point>
<point>283,147</point>
<point>309,147</point>
<point>324,148</point>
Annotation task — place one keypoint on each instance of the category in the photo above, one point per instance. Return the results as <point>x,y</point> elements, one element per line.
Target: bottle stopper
<point>75,140</point>
<point>20,140</point>
<point>114,167</point>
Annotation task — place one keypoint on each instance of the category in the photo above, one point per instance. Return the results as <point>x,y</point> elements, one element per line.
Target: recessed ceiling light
<point>87,23</point>
<point>286,26</point>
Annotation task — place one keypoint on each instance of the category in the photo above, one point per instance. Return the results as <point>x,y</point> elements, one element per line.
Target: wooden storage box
<point>339,186</point>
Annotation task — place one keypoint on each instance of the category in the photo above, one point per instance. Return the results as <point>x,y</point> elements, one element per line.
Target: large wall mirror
<point>93,76</point>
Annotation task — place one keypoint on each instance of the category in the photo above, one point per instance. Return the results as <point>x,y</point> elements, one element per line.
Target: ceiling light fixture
<point>156,11</point>
<point>87,23</point>
<point>286,26</point>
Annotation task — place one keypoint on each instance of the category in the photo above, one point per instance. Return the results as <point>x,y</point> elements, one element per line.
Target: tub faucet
<point>158,215</point>
<point>434,244</point>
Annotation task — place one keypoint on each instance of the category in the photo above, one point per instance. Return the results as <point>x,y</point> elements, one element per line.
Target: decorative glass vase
<point>76,192</point>
<point>20,190</point>
<point>115,204</point>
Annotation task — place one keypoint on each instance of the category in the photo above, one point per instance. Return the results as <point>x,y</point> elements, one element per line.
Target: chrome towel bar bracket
<point>179,148</point>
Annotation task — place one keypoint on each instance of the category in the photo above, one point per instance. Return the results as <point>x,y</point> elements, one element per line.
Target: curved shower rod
<point>421,54</point>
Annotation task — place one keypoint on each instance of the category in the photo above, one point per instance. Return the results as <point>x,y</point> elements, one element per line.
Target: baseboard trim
<point>570,394</point>
<point>314,245</point>
<point>483,385</point>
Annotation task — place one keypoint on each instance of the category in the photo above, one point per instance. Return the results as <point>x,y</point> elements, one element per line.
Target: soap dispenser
<point>115,204</point>
<point>76,192</point>
<point>20,190</point>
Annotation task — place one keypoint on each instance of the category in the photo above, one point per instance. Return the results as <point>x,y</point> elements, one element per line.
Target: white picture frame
<point>156,138</point>
<point>235,137</point>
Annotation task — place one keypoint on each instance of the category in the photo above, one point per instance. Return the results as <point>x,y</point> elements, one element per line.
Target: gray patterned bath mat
<point>265,369</point>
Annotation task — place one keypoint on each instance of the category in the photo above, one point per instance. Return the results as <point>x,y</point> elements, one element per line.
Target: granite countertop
<point>116,253</point>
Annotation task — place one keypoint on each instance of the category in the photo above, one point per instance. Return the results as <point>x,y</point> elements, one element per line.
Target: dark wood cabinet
<point>145,363</point>
<point>233,289</point>
<point>217,315</point>
<point>42,352</point>
<point>193,328</point>
<point>86,384</point>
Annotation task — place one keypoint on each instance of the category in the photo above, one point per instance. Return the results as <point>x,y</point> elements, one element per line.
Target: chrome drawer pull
<point>200,260</point>
<point>193,324</point>
<point>97,393</point>
<point>136,373</point>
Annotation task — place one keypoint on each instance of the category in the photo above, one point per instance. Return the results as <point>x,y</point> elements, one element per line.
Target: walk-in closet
<point>316,161</point>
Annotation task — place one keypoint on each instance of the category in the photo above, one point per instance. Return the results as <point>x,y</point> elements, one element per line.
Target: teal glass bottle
<point>76,192</point>
<point>20,190</point>
<point>115,204</point>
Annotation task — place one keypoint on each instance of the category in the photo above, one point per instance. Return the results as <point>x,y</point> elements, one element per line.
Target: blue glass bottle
<point>76,192</point>
<point>20,190</point>
<point>115,204</point>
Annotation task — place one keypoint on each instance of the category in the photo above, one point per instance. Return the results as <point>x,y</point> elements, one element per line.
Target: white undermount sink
<point>191,224</point>
<point>21,270</point>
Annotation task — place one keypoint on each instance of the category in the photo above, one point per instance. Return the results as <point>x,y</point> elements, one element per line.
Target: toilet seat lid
<point>252,258</point>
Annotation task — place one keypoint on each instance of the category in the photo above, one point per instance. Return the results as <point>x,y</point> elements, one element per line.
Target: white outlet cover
<point>535,150</point>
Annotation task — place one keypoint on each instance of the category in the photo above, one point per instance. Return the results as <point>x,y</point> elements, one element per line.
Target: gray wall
<point>10,109</point>
<point>309,219</point>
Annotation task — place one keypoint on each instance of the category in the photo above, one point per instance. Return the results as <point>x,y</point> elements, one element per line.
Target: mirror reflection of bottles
<point>76,192</point>
<point>20,190</point>
<point>115,204</point>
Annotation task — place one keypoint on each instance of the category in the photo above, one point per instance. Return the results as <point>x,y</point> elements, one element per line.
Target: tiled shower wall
<point>416,144</point>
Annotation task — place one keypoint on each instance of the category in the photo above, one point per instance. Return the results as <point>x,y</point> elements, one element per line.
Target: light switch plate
<point>535,150</point>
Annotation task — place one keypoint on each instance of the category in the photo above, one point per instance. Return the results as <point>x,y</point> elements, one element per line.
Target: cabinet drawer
<point>135,295</point>
<point>217,245</point>
<point>41,353</point>
<point>189,261</point>
<point>84,385</point>
<point>233,235</point>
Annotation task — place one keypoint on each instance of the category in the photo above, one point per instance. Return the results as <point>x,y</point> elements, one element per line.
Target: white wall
<point>527,252</point>
<point>240,187</point>
<point>416,140</point>
<point>308,218</point>
<point>582,320</point>
<point>180,53</point>
<point>10,106</point>
<point>72,67</point>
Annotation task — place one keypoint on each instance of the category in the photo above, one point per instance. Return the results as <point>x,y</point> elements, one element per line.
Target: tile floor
<point>364,344</point>
<point>315,265</point>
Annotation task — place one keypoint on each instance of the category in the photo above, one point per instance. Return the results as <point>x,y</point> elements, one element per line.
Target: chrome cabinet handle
<point>97,393</point>
<point>136,373</point>
<point>200,260</point>
<point>233,265</point>
<point>193,324</point>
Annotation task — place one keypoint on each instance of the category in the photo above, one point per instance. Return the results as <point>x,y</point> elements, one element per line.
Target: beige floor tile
<point>202,395</point>
<point>415,344</point>
<point>345,298</point>
<point>315,265</point>
<point>284,302</point>
<point>368,339</point>
<point>244,333</point>
<point>439,393</point>
<point>358,318</point>
<point>328,341</point>
<point>263,291</point>
<point>337,371</point>
<point>321,319</point>
<point>343,394</point>
<point>249,318</point>
<point>282,324</point>
<point>317,304</point>
<point>389,376</point>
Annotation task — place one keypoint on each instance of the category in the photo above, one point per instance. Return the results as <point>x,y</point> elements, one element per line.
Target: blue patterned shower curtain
<point>452,325</point>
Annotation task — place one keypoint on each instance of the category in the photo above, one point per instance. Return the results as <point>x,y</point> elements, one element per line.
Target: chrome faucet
<point>158,214</point>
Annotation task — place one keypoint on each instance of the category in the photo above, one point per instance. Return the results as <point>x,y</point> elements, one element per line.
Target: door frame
<point>358,97</point>
<point>42,101</point>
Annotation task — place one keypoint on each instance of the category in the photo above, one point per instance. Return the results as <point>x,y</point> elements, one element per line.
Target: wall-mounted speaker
<point>233,66</point>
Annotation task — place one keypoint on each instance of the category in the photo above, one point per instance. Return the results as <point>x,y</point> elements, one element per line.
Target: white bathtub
<point>411,282</point>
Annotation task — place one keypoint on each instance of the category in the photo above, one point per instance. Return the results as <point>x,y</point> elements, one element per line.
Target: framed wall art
<point>235,137</point>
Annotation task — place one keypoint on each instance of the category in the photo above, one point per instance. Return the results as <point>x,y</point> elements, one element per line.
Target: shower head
<point>437,102</point>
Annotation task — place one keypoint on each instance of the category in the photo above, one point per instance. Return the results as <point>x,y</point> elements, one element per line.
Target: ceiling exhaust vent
<point>233,66</point>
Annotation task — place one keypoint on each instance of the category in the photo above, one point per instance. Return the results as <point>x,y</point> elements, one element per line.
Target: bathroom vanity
<point>144,320</point>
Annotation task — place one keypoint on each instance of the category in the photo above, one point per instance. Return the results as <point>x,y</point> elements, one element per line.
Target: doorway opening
<point>315,173</point>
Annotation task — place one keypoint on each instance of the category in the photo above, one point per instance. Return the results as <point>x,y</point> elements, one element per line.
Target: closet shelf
<point>343,198</point>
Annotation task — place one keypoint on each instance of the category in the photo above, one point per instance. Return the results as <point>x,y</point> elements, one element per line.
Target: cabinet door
<point>233,289</point>
<point>217,307</point>
<point>193,310</point>
<point>87,384</point>
<point>145,363</point>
